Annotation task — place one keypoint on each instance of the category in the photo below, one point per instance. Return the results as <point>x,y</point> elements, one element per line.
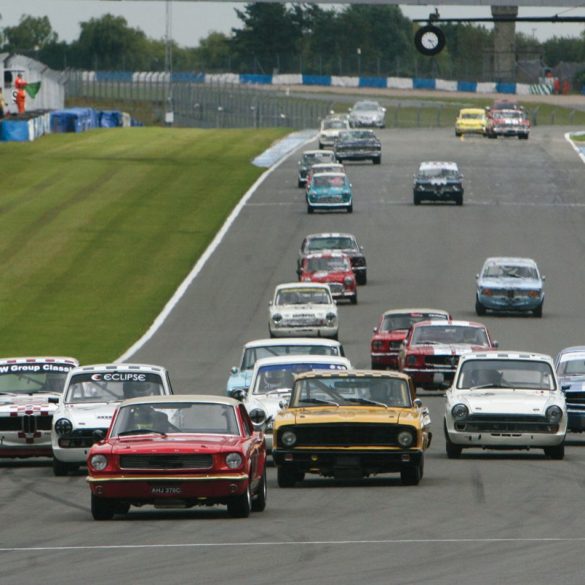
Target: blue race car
<point>509,284</point>
<point>330,191</point>
<point>570,367</point>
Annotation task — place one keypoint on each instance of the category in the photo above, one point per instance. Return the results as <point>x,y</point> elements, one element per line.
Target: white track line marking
<point>294,543</point>
<point>161,318</point>
<point>575,147</point>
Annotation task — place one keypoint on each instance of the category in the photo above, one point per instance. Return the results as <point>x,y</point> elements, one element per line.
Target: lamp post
<point>169,113</point>
<point>359,58</point>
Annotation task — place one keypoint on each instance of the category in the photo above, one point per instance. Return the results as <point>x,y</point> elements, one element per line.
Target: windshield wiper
<point>366,401</point>
<point>491,386</point>
<point>141,432</point>
<point>319,401</point>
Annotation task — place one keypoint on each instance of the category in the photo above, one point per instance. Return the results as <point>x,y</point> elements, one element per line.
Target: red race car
<point>179,451</point>
<point>432,349</point>
<point>391,331</point>
<point>334,269</point>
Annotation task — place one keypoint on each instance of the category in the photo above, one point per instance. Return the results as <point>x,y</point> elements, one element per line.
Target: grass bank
<point>98,229</point>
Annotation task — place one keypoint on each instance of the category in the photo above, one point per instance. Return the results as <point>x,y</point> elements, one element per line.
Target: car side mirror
<point>258,417</point>
<point>53,400</point>
<point>99,434</point>
<point>565,387</point>
<point>234,370</point>
<point>270,303</point>
<point>375,330</point>
<point>476,276</point>
<point>418,402</point>
<point>496,344</point>
<point>238,394</point>
<point>384,110</point>
<point>543,278</point>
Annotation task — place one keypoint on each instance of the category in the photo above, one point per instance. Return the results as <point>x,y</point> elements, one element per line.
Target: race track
<point>486,519</point>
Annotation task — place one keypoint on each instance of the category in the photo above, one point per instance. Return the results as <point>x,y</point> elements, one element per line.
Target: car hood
<point>173,444</point>
<point>507,401</point>
<point>446,349</point>
<point>331,132</point>
<point>352,414</point>
<point>357,142</point>
<point>324,276</point>
<point>510,282</point>
<point>292,311</point>
<point>328,190</point>
<point>25,402</point>
<point>437,181</point>
<point>366,115</point>
<point>92,415</point>
<point>395,335</point>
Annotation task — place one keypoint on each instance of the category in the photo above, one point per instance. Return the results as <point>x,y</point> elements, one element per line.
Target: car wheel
<point>61,469</point>
<point>240,506</point>
<point>412,474</point>
<point>416,199</point>
<point>310,209</point>
<point>259,501</point>
<point>457,133</point>
<point>286,477</point>
<point>350,209</point>
<point>377,160</point>
<point>362,278</point>
<point>453,450</point>
<point>459,200</point>
<point>538,311</point>
<point>557,452</point>
<point>479,308</point>
<point>300,183</point>
<point>102,509</point>
<point>354,299</point>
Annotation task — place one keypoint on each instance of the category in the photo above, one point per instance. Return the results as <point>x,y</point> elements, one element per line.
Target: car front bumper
<point>431,379</point>
<point>385,360</point>
<point>510,303</point>
<point>357,154</point>
<point>304,331</point>
<point>506,440</point>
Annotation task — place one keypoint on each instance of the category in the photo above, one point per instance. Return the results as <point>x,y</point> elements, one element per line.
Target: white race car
<point>29,389</point>
<point>272,382</point>
<point>85,409</point>
<point>303,310</point>
<point>505,400</point>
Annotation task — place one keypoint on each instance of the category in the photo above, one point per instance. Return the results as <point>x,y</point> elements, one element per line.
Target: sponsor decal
<point>34,368</point>
<point>119,377</point>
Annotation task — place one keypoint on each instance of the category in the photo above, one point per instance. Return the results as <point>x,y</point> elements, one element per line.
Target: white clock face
<point>429,40</point>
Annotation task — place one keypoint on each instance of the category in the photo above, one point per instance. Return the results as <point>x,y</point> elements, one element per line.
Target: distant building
<point>52,93</point>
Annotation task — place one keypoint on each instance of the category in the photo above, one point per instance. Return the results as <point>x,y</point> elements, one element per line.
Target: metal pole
<point>169,114</point>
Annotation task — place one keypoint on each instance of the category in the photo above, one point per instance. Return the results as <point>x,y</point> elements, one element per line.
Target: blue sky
<point>195,20</point>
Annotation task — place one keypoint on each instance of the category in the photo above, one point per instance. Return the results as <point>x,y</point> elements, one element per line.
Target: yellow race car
<point>349,425</point>
<point>471,121</point>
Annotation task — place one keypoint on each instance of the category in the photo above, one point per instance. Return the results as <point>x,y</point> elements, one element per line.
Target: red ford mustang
<point>179,451</point>
<point>391,331</point>
<point>431,351</point>
<point>334,269</point>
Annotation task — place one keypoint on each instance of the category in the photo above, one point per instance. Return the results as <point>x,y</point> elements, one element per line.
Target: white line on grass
<point>161,318</point>
<point>552,540</point>
<point>575,147</point>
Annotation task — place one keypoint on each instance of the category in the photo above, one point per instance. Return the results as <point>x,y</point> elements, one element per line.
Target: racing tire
<point>557,452</point>
<point>492,135</point>
<point>412,474</point>
<point>353,299</point>
<point>377,160</point>
<point>479,308</point>
<point>350,209</point>
<point>459,200</point>
<point>300,184</point>
<point>361,278</point>
<point>286,477</point>
<point>310,209</point>
<point>102,509</point>
<point>457,134</point>
<point>416,199</point>
<point>453,450</point>
<point>259,500</point>
<point>240,506</point>
<point>320,146</point>
<point>522,136</point>
<point>61,468</point>
<point>538,311</point>
<point>339,160</point>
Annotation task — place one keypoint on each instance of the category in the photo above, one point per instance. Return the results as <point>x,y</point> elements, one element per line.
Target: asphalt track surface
<point>488,518</point>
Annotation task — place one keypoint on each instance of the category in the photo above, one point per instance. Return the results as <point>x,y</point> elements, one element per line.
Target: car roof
<point>510,260</point>
<point>39,360</point>
<point>472,111</point>
<point>512,355</point>
<point>417,310</point>
<point>355,373</point>
<point>452,166</point>
<point>327,164</point>
<point>207,398</point>
<point>317,151</point>
<point>564,353</point>
<point>331,174</point>
<point>281,341</point>
<point>449,323</point>
<point>293,285</point>
<point>330,235</point>
<point>121,367</point>
<point>302,359</point>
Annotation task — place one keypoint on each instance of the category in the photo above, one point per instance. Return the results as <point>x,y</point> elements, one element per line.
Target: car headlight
<point>288,438</point>
<point>405,438</point>
<point>257,416</point>
<point>460,411</point>
<point>554,414</point>
<point>307,279</point>
<point>348,281</point>
<point>277,317</point>
<point>63,426</point>
<point>233,460</point>
<point>534,293</point>
<point>330,317</point>
<point>99,462</point>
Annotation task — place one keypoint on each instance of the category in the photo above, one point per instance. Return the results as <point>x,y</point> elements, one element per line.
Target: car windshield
<point>112,386</point>
<point>312,158</point>
<point>334,124</point>
<point>351,391</point>
<point>255,353</point>
<point>321,168</point>
<point>506,373</point>
<point>450,334</point>
<point>331,243</point>
<point>328,181</point>
<point>366,106</point>
<point>509,114</point>
<point>328,264</point>
<point>510,271</point>
<point>281,376</point>
<point>438,173</point>
<point>304,296</point>
<point>470,116</point>
<point>33,378</point>
<point>397,321</point>
<point>572,366</point>
<point>356,135</point>
<point>176,417</point>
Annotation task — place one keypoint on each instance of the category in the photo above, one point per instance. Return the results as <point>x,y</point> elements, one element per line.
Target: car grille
<point>80,438</point>
<point>358,261</point>
<point>506,423</point>
<point>26,423</point>
<point>449,361</point>
<point>575,398</point>
<point>336,288</point>
<point>348,435</point>
<point>187,461</point>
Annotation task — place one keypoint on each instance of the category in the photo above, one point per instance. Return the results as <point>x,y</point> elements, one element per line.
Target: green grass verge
<point>578,137</point>
<point>98,229</point>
